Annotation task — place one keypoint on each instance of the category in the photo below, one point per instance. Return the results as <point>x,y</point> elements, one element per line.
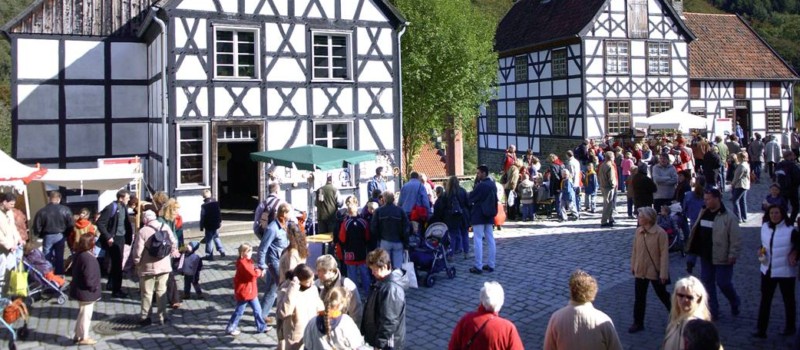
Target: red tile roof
<point>728,48</point>
<point>428,162</point>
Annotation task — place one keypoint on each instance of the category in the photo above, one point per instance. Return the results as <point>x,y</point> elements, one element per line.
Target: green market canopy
<point>312,157</point>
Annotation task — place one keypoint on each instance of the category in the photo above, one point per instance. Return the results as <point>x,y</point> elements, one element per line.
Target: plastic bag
<point>408,267</point>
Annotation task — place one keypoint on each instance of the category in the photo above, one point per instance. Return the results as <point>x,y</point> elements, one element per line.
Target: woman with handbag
<point>689,302</point>
<point>85,287</point>
<point>778,257</point>
<point>649,265</point>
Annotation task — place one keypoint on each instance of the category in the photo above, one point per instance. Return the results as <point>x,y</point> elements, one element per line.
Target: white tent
<point>15,174</point>
<point>674,119</point>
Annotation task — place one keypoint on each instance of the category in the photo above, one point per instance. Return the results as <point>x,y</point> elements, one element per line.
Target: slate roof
<point>531,22</point>
<point>728,48</point>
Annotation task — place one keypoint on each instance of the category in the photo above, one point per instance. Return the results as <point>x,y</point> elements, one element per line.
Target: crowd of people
<point>354,297</point>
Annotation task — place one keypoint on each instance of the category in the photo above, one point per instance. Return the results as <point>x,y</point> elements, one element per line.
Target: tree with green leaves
<point>449,68</point>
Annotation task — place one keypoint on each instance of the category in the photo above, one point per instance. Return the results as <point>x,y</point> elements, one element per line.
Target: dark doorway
<point>237,176</point>
<point>742,108</point>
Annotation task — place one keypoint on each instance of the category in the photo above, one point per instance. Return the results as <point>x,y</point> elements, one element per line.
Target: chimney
<point>678,6</point>
<point>455,152</point>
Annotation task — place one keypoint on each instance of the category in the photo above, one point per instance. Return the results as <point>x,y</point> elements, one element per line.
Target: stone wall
<point>558,146</point>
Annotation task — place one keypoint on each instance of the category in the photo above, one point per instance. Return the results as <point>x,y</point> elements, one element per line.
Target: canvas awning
<point>312,157</point>
<point>105,179</point>
<point>674,119</point>
<point>17,175</point>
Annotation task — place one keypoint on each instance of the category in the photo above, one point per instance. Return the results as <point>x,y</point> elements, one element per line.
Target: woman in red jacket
<point>245,291</point>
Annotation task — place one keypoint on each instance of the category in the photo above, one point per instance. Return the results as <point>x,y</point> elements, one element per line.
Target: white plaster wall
<point>384,38</point>
<point>365,101</point>
<point>129,101</point>
<point>286,69</point>
<point>374,71</point>
<point>128,61</point>
<point>190,204</point>
<point>37,59</point>
<point>182,34</point>
<point>36,141</point>
<point>84,102</point>
<point>181,101</point>
<point>85,140</point>
<point>84,59</point>
<point>37,102</point>
<point>383,127</point>
<point>275,101</point>
<point>277,134</point>
<point>191,69</point>
<point>223,101</point>
<point>200,5</point>
<point>321,101</point>
<point>129,138</point>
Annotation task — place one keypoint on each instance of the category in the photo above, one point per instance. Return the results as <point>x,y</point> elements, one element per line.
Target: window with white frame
<point>658,106</point>
<point>331,56</point>
<point>774,120</point>
<point>522,117</point>
<point>560,118</point>
<point>332,135</point>
<point>637,18</point>
<point>521,68</point>
<point>559,63</point>
<point>617,57</point>
<point>192,164</point>
<point>618,116</point>
<point>658,58</point>
<point>491,117</point>
<point>236,54</point>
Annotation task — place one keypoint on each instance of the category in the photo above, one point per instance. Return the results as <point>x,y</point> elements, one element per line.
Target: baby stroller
<point>38,284</point>
<point>430,255</point>
<point>675,236</point>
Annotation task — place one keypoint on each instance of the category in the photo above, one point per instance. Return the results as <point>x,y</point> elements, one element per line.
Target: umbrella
<point>312,157</point>
<point>674,119</point>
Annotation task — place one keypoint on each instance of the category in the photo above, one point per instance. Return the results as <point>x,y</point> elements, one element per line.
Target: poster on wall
<point>723,127</point>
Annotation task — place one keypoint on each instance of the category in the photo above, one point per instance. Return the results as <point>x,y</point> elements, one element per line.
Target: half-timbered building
<point>575,69</point>
<point>194,86</point>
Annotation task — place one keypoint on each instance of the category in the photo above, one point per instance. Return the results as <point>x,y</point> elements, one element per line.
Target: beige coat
<point>147,265</point>
<point>725,237</point>
<point>655,242</point>
<point>606,175</point>
<point>9,236</point>
<point>289,260</point>
<point>581,326</point>
<point>296,308</point>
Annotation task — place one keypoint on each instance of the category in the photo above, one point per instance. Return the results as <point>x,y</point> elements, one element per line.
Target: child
<point>667,221</point>
<point>527,193</point>
<point>192,265</point>
<point>591,188</point>
<point>630,194</point>
<point>332,329</point>
<point>774,198</point>
<point>245,287</point>
<point>298,303</point>
<point>567,197</point>
<point>626,166</point>
<point>82,226</point>
<point>35,257</point>
<point>355,238</point>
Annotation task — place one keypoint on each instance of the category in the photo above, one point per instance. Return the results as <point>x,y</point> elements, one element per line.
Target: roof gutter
<point>164,129</point>
<point>398,51</point>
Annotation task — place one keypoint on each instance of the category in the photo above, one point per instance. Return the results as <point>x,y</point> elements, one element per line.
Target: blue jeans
<point>756,166</point>
<point>212,236</point>
<point>622,179</point>
<point>362,281</point>
<point>722,276</point>
<point>528,211</point>
<point>395,251</point>
<point>577,199</point>
<point>590,201</point>
<point>233,323</point>
<point>53,249</point>
<point>460,239</point>
<point>739,197</point>
<point>271,278</point>
<point>478,232</point>
<point>630,206</point>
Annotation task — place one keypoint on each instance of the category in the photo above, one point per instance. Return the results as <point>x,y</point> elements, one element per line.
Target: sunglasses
<point>685,296</point>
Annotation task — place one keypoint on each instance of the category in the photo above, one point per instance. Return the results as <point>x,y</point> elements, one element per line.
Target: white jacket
<point>778,248</point>
<point>345,335</point>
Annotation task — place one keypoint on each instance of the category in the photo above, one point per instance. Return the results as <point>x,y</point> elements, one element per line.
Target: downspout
<point>164,129</point>
<point>400,87</point>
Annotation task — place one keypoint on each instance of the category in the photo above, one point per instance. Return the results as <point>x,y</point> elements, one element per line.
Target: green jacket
<point>725,237</point>
<point>327,202</point>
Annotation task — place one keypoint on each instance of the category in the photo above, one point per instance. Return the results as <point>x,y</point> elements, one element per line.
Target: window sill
<point>343,81</point>
<point>191,187</point>
<point>232,79</point>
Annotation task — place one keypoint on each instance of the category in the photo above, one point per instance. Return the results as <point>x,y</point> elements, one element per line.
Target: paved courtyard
<point>534,263</point>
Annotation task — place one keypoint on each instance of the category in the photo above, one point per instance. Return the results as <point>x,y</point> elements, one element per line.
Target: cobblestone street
<point>534,263</point>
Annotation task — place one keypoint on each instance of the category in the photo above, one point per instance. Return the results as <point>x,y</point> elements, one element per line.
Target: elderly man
<point>579,326</point>
<point>607,178</point>
<point>716,240</point>
<point>153,271</point>
<point>474,331</point>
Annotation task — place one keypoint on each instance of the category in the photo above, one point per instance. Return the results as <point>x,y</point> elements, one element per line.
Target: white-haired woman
<point>649,265</point>
<point>495,331</point>
<point>689,302</point>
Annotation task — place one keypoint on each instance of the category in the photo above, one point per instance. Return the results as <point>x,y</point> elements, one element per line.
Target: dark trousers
<point>795,202</point>
<point>173,293</point>
<point>189,281</point>
<point>640,299</point>
<point>771,170</point>
<point>755,166</point>
<point>658,203</point>
<point>114,252</point>
<point>768,286</point>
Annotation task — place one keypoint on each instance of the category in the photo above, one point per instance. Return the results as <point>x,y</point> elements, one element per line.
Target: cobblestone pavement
<point>534,263</point>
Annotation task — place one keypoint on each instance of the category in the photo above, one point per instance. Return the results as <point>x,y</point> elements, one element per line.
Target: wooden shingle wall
<point>84,17</point>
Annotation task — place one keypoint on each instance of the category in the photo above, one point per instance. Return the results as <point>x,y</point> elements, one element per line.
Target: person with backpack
<point>483,201</point>
<point>152,250</point>
<point>211,221</point>
<point>527,197</point>
<point>354,237</point>
<point>787,176</point>
<point>265,212</point>
<point>115,232</point>
<point>455,215</point>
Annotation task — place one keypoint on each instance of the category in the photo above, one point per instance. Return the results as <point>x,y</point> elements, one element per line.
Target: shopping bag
<point>18,284</point>
<point>408,267</point>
